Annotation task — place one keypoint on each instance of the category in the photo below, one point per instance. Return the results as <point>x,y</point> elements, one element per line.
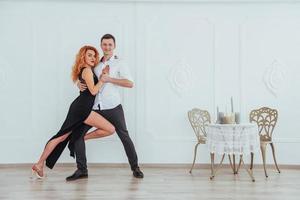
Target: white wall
<point>181,54</point>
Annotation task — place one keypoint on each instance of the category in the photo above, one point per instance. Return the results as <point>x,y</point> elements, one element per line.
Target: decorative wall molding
<point>287,140</point>
<point>274,77</point>
<point>4,67</point>
<point>181,77</point>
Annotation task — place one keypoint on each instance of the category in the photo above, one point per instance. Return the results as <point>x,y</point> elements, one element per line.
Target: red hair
<point>80,61</point>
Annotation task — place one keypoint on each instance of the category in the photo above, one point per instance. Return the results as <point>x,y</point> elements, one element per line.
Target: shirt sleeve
<point>124,72</point>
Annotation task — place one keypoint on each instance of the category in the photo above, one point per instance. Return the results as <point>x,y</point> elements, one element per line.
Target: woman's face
<point>90,58</point>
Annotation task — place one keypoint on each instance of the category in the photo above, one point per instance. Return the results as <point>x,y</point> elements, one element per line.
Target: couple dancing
<point>98,105</point>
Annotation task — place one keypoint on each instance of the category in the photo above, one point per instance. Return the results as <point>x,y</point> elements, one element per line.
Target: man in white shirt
<point>108,104</point>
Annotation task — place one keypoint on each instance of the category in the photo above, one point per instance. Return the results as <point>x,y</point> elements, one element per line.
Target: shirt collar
<point>110,59</point>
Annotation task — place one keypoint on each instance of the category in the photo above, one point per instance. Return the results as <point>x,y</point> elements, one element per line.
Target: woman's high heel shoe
<point>35,171</point>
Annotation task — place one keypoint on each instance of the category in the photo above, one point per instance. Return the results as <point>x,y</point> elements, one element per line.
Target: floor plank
<point>113,182</point>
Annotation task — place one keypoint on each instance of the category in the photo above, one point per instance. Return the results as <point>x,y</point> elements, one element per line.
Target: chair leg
<point>273,152</point>
<point>263,153</point>
<point>195,154</point>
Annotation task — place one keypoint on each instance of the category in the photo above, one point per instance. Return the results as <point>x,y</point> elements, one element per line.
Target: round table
<point>232,139</point>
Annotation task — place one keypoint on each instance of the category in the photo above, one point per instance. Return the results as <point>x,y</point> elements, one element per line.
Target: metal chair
<point>198,119</point>
<point>266,119</point>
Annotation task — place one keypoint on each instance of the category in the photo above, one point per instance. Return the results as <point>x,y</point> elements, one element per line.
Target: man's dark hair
<point>108,36</point>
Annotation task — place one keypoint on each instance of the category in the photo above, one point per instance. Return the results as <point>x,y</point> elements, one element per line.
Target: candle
<point>237,118</point>
<point>218,116</point>
<point>231,104</point>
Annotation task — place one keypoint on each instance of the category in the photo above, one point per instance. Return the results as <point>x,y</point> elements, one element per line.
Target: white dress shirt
<point>109,95</point>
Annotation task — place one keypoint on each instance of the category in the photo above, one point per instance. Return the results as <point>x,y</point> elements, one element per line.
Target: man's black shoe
<point>137,173</point>
<point>78,174</point>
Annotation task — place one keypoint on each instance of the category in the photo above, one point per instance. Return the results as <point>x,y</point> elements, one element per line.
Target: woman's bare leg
<point>98,133</point>
<point>104,127</point>
<point>49,148</point>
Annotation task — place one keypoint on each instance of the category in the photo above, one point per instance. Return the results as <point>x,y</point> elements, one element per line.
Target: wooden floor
<point>117,182</point>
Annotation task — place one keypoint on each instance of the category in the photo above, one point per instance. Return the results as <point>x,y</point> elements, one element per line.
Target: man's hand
<point>81,86</point>
<point>105,78</point>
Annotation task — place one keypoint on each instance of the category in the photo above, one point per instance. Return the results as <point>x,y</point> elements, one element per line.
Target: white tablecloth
<point>232,138</point>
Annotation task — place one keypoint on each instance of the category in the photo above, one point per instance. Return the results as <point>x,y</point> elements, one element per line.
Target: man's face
<point>107,46</point>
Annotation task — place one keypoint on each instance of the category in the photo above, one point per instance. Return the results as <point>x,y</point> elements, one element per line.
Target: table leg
<point>252,157</point>
<point>234,167</point>
<point>230,162</point>
<point>212,160</point>
<point>214,171</point>
<point>250,171</point>
<point>240,162</point>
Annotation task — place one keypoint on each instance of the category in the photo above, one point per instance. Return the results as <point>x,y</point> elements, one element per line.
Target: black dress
<point>79,110</point>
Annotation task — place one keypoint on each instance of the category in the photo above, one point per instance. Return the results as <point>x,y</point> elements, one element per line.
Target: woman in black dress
<point>80,111</point>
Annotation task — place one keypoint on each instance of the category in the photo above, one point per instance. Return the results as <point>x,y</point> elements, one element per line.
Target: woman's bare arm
<point>87,75</point>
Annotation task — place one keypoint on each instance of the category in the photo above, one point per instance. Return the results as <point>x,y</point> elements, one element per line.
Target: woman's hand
<point>104,77</point>
<point>105,70</point>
